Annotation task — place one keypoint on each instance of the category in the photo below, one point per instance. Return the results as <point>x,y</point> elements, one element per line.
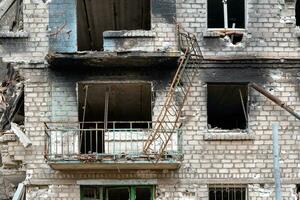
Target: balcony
<point>115,145</point>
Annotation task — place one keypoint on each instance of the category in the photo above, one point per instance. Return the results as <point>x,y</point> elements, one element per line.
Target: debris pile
<point>12,151</point>
<point>11,99</point>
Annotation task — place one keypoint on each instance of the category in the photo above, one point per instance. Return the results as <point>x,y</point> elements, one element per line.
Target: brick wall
<point>51,95</point>
<point>242,161</point>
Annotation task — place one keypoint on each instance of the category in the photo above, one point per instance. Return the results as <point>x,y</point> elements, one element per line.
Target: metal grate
<point>227,192</point>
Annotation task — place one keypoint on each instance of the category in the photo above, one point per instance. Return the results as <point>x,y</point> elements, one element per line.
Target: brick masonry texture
<point>50,95</point>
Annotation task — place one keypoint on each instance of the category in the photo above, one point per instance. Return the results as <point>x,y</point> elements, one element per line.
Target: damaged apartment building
<point>148,99</point>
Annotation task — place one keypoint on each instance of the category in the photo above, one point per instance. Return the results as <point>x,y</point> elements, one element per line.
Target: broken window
<point>226,13</point>
<point>94,17</point>
<point>117,193</point>
<point>11,15</point>
<point>297,10</point>
<point>219,192</point>
<point>227,105</point>
<point>116,105</point>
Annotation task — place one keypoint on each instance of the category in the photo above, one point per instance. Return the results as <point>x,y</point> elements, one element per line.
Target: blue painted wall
<point>63,26</point>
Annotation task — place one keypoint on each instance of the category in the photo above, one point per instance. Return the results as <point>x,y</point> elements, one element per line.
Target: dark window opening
<point>143,193</point>
<point>227,193</point>
<point>235,14</point>
<point>115,106</point>
<point>91,192</point>
<point>117,192</point>
<point>94,17</point>
<point>298,189</point>
<point>19,116</point>
<point>227,105</point>
<point>297,10</point>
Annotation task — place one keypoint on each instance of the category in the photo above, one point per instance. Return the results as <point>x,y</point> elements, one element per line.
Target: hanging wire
<point>243,105</point>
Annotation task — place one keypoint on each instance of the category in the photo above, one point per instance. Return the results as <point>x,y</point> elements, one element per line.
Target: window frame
<point>228,29</point>
<point>247,85</point>
<point>131,188</point>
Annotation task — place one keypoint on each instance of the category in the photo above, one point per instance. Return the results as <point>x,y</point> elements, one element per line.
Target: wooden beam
<point>4,6</point>
<point>21,135</point>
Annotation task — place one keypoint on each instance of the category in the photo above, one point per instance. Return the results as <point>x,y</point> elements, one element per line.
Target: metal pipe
<point>275,99</point>
<point>276,164</point>
<point>225,14</point>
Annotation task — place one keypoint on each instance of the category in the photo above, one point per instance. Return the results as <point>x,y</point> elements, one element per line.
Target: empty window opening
<point>117,105</point>
<point>297,10</point>
<point>94,17</point>
<point>227,105</point>
<point>227,192</point>
<point>117,193</point>
<point>226,13</point>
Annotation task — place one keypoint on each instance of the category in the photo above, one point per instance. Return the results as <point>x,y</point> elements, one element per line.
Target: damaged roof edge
<point>112,59</point>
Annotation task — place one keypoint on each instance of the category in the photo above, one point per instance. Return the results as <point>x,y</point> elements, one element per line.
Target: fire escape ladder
<point>168,120</point>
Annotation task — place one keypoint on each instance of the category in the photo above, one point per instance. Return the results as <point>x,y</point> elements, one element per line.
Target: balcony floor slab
<point>111,165</point>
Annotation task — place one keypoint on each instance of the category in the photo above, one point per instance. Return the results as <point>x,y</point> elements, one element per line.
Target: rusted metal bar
<point>107,92</point>
<point>276,100</point>
<point>167,122</point>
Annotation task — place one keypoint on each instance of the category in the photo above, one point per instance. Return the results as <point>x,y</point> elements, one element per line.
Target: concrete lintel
<point>77,165</point>
<point>116,182</point>
<point>113,59</point>
<point>129,33</point>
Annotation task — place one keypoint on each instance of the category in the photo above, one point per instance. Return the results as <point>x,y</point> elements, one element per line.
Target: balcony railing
<point>99,142</point>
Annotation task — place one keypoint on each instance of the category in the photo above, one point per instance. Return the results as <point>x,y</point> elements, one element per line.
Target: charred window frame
<point>227,192</point>
<point>227,106</point>
<point>226,14</point>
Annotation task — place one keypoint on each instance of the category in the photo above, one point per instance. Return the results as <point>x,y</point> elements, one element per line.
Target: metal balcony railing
<point>93,140</point>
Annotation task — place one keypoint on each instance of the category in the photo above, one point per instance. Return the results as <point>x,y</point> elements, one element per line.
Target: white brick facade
<point>267,55</point>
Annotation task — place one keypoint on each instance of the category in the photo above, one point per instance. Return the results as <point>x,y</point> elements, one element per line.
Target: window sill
<point>216,33</point>
<point>129,34</point>
<point>11,34</point>
<point>228,135</point>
